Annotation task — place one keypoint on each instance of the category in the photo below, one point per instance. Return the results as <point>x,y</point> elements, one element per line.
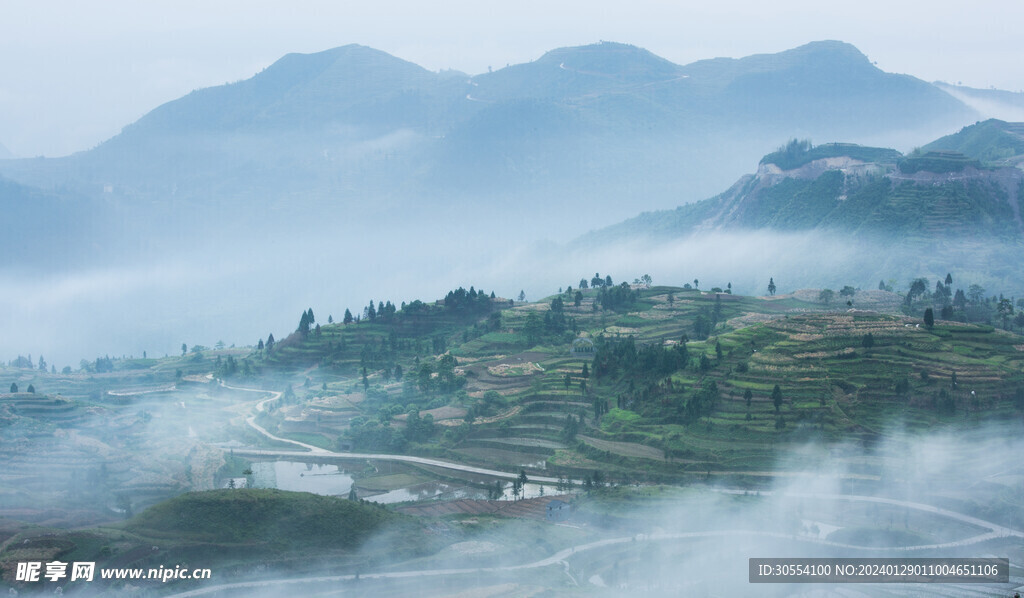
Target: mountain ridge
<point>334,101</point>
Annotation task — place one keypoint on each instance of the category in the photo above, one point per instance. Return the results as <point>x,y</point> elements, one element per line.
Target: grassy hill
<point>271,518</point>
<point>229,531</point>
<point>991,141</point>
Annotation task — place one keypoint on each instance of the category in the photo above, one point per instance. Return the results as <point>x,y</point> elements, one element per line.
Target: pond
<point>331,480</point>
<point>302,477</point>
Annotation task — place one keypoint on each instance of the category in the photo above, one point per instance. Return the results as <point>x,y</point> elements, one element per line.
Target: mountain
<point>375,176</point>
<point>599,126</point>
<point>926,213</point>
<point>47,230</point>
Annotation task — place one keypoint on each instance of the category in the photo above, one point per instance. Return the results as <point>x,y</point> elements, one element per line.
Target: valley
<point>627,402</point>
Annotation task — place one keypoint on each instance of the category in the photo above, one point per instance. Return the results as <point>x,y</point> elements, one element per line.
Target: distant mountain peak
<point>347,58</point>
<point>609,58</point>
<point>832,54</point>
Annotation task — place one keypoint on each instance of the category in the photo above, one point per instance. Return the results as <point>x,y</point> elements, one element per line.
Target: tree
<point>771,286</point>
<point>748,397</point>
<point>847,291</point>
<point>577,298</point>
<point>567,381</point>
<point>398,372</point>
<point>917,288</point>
<point>522,479</point>
<point>959,299</point>
<point>259,347</point>
<point>231,483</point>
<point>949,279</point>
<point>31,389</point>
<point>270,342</point>
<point>867,341</point>
<point>347,319</point>
<point>976,293</point>
<point>522,295</point>
<point>330,319</point>
<point>826,295</point>
<point>184,349</point>
<point>14,387</point>
<point>671,298</point>
<point>929,318</point>
<point>696,283</point>
<point>1005,310</point>
<point>777,397</point>
<point>586,371</point>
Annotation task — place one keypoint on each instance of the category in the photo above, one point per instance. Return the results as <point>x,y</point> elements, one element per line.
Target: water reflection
<point>301,477</point>
<point>329,480</point>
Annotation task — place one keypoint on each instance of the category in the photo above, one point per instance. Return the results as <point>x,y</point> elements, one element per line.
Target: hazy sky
<point>74,73</point>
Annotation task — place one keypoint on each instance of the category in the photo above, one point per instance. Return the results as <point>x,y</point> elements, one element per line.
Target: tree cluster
<point>613,357</point>
<point>468,302</point>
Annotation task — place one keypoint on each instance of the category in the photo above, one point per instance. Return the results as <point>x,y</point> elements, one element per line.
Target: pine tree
<point>348,317</point>
<point>777,397</point>
<point>771,286</point>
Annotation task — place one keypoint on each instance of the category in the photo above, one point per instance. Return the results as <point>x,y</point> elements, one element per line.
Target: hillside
<point>902,216</point>
<point>992,142</point>
<point>276,520</point>
<point>233,532</point>
<point>560,388</point>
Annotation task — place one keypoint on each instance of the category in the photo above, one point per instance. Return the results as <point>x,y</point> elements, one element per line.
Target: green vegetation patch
<point>274,517</point>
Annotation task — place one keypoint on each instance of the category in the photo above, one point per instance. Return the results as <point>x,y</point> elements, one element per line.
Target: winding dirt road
<point>313,451</point>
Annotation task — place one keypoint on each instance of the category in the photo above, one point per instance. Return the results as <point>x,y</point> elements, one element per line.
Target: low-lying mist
<point>241,290</point>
